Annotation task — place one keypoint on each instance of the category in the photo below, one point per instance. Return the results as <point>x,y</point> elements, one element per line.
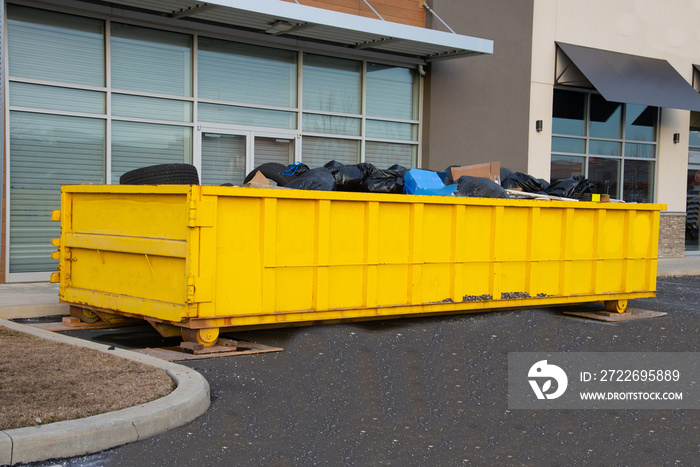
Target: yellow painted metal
<point>213,257</point>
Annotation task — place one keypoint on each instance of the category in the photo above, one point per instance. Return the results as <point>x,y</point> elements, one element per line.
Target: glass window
<point>317,151</point>
<point>223,159</point>
<point>328,124</point>
<point>638,186</point>
<point>136,145</point>
<point>250,74</point>
<point>606,118</point>
<point>692,209</point>
<point>280,150</point>
<point>604,148</point>
<point>695,129</point>
<point>640,122</point>
<point>567,166</point>
<point>646,151</point>
<point>392,92</point>
<point>151,60</point>
<point>56,98</point>
<point>391,130</point>
<point>247,116</point>
<point>55,47</point>
<point>569,114</point>
<point>124,105</point>
<point>384,155</point>
<point>47,151</point>
<point>574,145</point>
<point>619,135</point>
<point>605,175</point>
<point>332,84</point>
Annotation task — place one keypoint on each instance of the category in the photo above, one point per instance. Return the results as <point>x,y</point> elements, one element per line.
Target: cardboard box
<point>490,170</point>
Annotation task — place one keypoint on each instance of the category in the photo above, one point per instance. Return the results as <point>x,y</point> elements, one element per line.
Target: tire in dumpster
<point>163,174</point>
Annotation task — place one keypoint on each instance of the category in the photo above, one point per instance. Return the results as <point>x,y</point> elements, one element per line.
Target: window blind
<point>223,159</point>
<point>332,84</point>
<point>55,47</point>
<point>47,151</point>
<point>136,145</point>
<point>317,151</point>
<point>384,155</point>
<point>150,60</point>
<point>249,74</point>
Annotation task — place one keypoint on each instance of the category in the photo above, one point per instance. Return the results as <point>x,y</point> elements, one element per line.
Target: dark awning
<point>633,79</point>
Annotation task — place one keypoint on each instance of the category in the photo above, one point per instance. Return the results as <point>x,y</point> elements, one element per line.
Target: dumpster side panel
<point>288,254</point>
<point>232,256</point>
<point>126,252</point>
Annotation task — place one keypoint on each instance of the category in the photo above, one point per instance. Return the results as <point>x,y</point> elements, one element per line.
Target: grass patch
<point>43,381</point>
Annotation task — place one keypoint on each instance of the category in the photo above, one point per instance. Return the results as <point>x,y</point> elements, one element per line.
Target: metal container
<point>204,258</point>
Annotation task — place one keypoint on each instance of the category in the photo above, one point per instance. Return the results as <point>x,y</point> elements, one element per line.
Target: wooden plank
<point>172,354</point>
<point>630,314</point>
<point>60,327</point>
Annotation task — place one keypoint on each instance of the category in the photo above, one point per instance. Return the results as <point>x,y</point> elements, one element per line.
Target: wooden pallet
<point>74,324</point>
<point>172,354</point>
<point>630,314</point>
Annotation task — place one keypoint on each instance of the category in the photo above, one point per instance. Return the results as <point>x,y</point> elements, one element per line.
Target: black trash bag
<point>348,178</point>
<point>333,166</point>
<point>573,187</point>
<point>528,183</point>
<point>478,187</point>
<point>295,170</point>
<point>544,183</point>
<point>367,168</point>
<point>399,168</point>
<point>448,175</point>
<point>505,173</point>
<point>384,181</point>
<point>320,179</point>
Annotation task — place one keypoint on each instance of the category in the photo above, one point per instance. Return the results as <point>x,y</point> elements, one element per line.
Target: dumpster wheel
<point>84,314</point>
<point>616,306</point>
<point>206,337</point>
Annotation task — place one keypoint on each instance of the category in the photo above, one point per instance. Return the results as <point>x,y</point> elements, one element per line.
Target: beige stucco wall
<point>651,28</point>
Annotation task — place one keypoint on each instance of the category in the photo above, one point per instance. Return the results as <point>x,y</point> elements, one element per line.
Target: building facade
<point>95,89</point>
<point>92,89</point>
<point>541,103</point>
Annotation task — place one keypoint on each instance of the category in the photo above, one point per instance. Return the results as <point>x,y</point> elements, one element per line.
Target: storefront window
<point>611,144</point>
<point>55,47</point>
<point>167,96</point>
<point>332,84</point>
<point>141,144</point>
<point>150,60</point>
<point>47,151</point>
<point>692,239</point>
<point>247,74</point>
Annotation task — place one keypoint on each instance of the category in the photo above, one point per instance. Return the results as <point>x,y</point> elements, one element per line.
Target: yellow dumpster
<point>192,260</point>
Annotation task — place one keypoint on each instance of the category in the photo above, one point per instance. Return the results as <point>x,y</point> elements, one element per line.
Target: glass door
<point>228,155</point>
<point>223,158</point>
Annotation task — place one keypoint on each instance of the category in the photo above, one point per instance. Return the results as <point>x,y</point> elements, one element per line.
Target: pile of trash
<point>477,181</point>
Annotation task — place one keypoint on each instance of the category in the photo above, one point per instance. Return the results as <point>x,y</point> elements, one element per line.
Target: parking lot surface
<point>421,391</point>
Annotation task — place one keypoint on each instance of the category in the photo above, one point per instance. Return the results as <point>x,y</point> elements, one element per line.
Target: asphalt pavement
<point>421,392</point>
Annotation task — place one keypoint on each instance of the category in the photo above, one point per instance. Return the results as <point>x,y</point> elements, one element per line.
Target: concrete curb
<point>189,400</point>
<point>689,272</point>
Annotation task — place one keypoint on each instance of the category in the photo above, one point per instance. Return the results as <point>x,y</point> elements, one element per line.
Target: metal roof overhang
<point>320,26</point>
<point>633,79</point>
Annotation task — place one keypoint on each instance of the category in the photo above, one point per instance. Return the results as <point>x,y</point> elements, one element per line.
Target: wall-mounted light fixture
<point>538,125</point>
<point>279,27</point>
<point>676,138</point>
